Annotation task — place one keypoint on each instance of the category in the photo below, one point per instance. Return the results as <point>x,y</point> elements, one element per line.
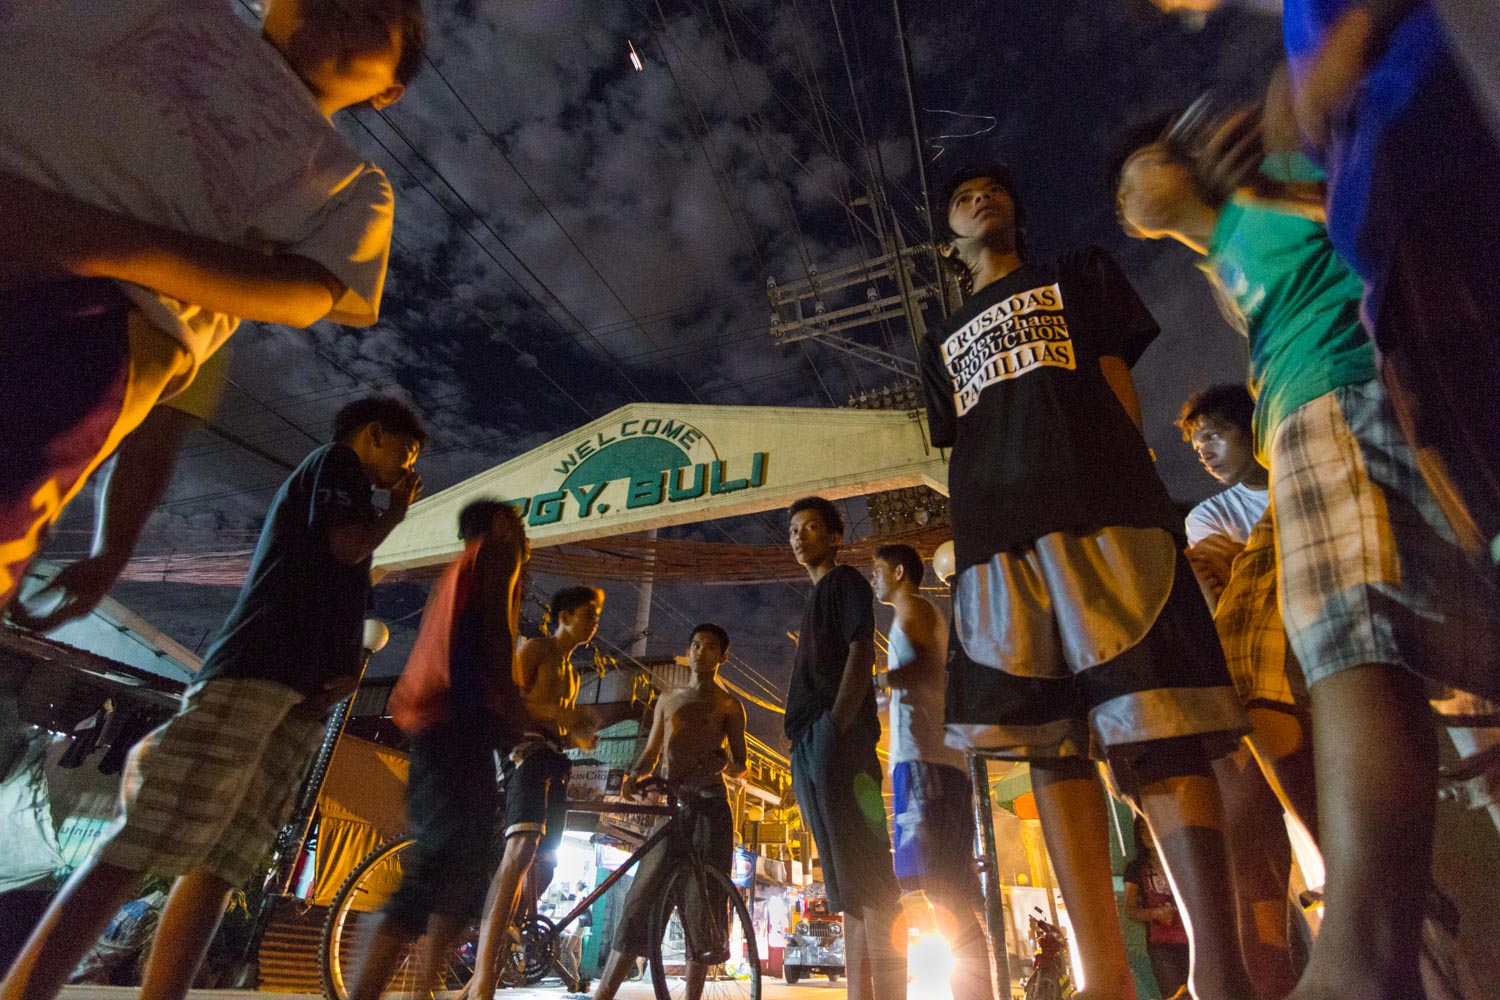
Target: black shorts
<point>451,801</point>
<point>708,828</point>
<point>837,781</point>
<point>536,797</point>
<point>1170,687</point>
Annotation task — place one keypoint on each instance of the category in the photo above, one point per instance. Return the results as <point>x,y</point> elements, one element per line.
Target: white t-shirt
<point>1234,512</point>
<point>176,112</point>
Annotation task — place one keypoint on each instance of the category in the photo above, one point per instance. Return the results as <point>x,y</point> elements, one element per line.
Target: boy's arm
<point>852,685</point>
<point>1301,198</point>
<point>650,753</point>
<point>1354,44</point>
<point>739,755</point>
<point>1212,559</point>
<point>529,663</point>
<point>46,236</point>
<point>132,484</point>
<point>1117,374</point>
<point>923,641</point>
<point>499,576</point>
<point>352,544</point>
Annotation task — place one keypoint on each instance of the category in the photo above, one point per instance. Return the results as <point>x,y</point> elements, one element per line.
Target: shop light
<point>635,59</point>
<point>930,962</point>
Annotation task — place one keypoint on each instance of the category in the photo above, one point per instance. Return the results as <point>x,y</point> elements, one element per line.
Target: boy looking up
<point>221,192</point>
<point>1077,626</point>
<point>458,701</point>
<point>204,795</point>
<point>833,725</point>
<point>536,792</point>
<point>698,734</point>
<point>1374,591</point>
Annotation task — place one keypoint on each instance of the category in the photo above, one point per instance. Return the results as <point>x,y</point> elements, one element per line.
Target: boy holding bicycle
<point>690,731</point>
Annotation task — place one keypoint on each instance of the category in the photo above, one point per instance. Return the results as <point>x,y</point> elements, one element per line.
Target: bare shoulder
<point>919,618</point>
<point>537,649</point>
<point>729,704</point>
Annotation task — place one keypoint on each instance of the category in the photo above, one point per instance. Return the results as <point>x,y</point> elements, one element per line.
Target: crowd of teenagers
<point>166,171</point>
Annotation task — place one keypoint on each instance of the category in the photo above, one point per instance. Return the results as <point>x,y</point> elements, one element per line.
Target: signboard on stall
<point>744,867</point>
<point>588,781</point>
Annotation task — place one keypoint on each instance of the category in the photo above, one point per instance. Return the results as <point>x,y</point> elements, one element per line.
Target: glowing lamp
<point>943,561</point>
<point>376,635</point>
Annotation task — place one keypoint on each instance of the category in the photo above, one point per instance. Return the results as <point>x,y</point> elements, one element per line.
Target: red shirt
<point>1156,891</point>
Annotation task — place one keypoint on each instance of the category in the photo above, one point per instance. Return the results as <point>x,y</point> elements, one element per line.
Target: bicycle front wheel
<point>352,920</point>
<point>700,926</point>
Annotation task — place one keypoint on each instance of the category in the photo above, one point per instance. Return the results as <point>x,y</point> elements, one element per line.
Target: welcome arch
<point>650,465</point>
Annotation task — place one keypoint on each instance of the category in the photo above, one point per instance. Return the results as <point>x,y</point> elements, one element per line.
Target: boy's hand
<point>1341,63</point>
<point>75,591</point>
<point>1278,119</point>
<point>406,491</point>
<point>318,704</point>
<point>1211,560</point>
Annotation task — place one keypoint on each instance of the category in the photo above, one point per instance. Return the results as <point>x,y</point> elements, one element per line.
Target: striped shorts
<point>211,788</point>
<point>1370,570</point>
<point>1248,620</point>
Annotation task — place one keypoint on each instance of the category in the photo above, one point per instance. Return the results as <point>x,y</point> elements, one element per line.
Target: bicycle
<point>691,885</point>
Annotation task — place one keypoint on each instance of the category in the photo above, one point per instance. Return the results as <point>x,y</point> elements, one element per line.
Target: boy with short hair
<point>833,726</point>
<point>221,192</point>
<point>1077,630</point>
<point>205,794</point>
<point>698,734</point>
<point>536,791</point>
<point>1374,590</point>
<point>458,702</point>
<point>1231,545</point>
<point>932,797</point>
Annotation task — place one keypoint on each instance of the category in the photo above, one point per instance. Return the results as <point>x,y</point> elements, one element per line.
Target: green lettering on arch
<point>676,491</point>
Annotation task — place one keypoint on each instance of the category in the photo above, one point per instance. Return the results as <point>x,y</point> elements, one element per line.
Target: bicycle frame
<point>672,813</point>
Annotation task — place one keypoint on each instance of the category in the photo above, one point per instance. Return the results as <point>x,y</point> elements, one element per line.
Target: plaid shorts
<point>1370,570</point>
<point>1248,619</point>
<point>212,787</point>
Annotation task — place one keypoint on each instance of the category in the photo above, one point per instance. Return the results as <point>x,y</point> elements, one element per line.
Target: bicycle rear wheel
<point>352,919</point>
<point>707,899</point>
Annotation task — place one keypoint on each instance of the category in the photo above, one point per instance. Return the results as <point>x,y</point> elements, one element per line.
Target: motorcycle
<point>1051,969</point>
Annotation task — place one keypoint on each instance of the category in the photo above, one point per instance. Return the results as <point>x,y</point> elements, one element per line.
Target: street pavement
<point>772,988</point>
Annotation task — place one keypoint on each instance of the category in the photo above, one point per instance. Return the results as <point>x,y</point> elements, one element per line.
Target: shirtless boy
<point>698,733</point>
<point>536,791</point>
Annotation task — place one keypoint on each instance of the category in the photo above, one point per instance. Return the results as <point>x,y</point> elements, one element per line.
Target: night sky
<point>572,235</point>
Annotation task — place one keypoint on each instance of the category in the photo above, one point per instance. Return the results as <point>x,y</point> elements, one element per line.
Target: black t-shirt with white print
<point>1040,441</point>
<point>300,616</point>
<point>840,611</point>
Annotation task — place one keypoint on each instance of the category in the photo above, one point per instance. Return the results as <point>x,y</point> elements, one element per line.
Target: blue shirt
<point>1411,123</point>
<point>300,616</point>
